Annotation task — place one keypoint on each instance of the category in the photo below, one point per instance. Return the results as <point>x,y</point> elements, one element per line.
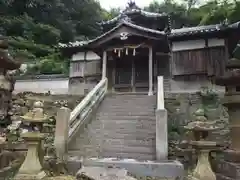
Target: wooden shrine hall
<point>137,46</point>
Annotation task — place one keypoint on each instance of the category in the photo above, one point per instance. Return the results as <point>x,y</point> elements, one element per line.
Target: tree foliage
<point>191,13</point>
<point>35,27</point>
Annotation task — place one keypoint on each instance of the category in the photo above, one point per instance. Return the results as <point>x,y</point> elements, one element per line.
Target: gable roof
<point>186,31</point>
<point>123,23</point>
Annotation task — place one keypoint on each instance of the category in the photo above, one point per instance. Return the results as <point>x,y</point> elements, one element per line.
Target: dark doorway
<point>123,76</point>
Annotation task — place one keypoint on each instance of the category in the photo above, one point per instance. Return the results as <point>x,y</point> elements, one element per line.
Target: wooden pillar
<point>113,75</point>
<point>155,73</point>
<point>104,65</point>
<point>133,76</point>
<point>150,71</point>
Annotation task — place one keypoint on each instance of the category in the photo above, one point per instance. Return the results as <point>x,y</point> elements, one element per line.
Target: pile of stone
<point>23,102</point>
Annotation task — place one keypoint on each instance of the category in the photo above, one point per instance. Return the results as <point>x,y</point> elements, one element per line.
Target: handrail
<point>86,100</point>
<point>160,93</point>
<point>85,107</point>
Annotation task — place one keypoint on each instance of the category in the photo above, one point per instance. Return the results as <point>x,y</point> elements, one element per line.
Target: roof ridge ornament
<point>124,18</point>
<point>131,5</point>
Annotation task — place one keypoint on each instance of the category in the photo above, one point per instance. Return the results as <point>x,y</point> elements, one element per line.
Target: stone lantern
<point>7,66</point>
<point>231,81</point>
<point>32,167</point>
<point>201,129</point>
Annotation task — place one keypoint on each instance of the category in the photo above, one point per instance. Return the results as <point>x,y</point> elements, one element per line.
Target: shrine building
<point>138,46</point>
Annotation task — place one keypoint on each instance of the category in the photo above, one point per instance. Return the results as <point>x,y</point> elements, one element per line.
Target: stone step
<point>132,142</point>
<point>127,96</point>
<point>108,147</point>
<point>125,120</point>
<point>126,130</point>
<point>138,136</point>
<point>129,125</point>
<point>130,108</point>
<point>118,148</point>
<point>138,156</point>
<point>128,139</point>
<point>83,153</point>
<point>130,113</point>
<point>108,136</point>
<point>127,114</point>
<point>141,102</point>
<point>124,127</point>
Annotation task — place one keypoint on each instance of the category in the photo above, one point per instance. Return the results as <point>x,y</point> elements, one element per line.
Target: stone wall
<point>55,86</point>
<point>181,108</point>
<point>22,102</point>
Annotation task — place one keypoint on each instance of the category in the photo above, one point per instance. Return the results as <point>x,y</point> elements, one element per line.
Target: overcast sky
<point>107,4</point>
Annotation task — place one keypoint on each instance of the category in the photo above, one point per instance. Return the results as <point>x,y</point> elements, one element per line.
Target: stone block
<point>103,173</point>
<point>164,169</point>
<point>221,177</point>
<point>61,132</point>
<point>232,156</point>
<point>38,176</point>
<point>161,134</point>
<point>227,169</point>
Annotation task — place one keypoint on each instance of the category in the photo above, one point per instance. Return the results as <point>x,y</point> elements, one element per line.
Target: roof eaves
<point>73,44</point>
<point>143,28</point>
<point>235,25</point>
<point>84,43</point>
<point>195,30</point>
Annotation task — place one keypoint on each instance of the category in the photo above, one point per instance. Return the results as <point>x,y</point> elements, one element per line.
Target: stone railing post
<point>61,132</point>
<point>161,124</point>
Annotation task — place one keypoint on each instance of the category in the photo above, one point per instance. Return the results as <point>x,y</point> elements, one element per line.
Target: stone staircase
<point>166,84</point>
<point>124,126</point>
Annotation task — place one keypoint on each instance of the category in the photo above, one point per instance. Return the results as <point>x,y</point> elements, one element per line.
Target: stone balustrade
<point>161,123</point>
<point>160,93</point>
<point>84,109</point>
<point>68,123</point>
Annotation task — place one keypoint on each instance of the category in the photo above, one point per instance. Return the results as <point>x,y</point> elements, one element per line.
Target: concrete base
<point>40,176</point>
<point>164,169</point>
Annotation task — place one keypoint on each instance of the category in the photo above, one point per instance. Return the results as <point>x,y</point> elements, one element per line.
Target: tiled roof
<point>235,25</point>
<point>83,43</point>
<point>143,28</point>
<point>174,32</point>
<point>195,30</point>
<point>73,44</point>
<point>132,11</point>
